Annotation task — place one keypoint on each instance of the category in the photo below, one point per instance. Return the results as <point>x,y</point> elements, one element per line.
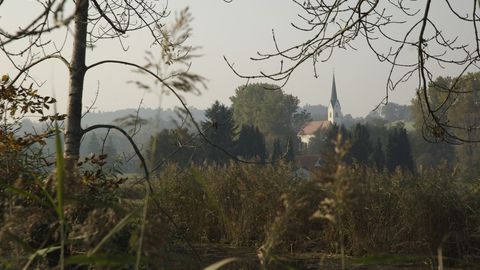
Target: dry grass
<point>341,210</point>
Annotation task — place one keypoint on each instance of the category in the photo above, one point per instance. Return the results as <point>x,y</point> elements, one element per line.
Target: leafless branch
<point>389,28</point>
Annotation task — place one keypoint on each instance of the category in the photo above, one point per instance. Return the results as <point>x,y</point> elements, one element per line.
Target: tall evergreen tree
<point>260,145</point>
<point>251,144</point>
<point>277,150</point>
<point>290,154</point>
<point>392,151</point>
<point>399,153</point>
<point>361,146</point>
<point>220,129</point>
<point>378,156</point>
<point>406,151</point>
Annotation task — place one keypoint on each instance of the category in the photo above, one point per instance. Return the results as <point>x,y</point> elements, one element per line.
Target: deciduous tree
<point>460,111</point>
<point>266,107</point>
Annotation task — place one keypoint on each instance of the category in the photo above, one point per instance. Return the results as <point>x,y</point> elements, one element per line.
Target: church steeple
<point>333,98</point>
<point>334,109</point>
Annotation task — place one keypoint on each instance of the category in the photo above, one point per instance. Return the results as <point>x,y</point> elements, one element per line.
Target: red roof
<point>311,127</point>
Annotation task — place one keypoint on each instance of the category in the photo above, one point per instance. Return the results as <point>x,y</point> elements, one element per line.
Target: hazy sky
<point>236,30</point>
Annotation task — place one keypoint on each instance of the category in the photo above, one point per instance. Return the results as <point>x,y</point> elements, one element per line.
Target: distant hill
<point>156,120</point>
<point>160,117</point>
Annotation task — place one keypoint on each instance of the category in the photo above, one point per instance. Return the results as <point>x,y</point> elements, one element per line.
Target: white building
<point>308,130</point>
<point>334,109</point>
<point>334,118</point>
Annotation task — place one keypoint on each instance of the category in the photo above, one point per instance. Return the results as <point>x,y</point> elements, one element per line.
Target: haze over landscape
<point>236,30</point>
<point>239,134</point>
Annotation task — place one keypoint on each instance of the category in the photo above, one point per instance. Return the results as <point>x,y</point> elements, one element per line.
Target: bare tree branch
<point>389,28</point>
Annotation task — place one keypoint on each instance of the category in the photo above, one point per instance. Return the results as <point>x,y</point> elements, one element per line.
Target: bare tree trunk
<point>73,132</point>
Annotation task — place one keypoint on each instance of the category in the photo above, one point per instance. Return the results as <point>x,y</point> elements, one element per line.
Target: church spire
<point>334,108</point>
<point>333,98</point>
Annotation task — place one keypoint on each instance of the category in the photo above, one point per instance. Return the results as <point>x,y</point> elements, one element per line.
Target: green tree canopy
<point>457,111</point>
<point>270,110</point>
<point>460,111</point>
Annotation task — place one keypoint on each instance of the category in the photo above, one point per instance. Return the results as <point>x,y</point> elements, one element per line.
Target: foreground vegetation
<point>348,211</point>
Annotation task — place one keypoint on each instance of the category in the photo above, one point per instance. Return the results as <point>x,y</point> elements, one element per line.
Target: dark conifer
<point>290,154</point>
<point>378,156</point>
<point>399,153</point>
<point>392,150</point>
<point>277,150</point>
<point>251,144</point>
<point>220,129</point>
<point>361,146</point>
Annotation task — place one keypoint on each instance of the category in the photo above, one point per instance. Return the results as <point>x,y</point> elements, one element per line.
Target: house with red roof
<point>335,116</point>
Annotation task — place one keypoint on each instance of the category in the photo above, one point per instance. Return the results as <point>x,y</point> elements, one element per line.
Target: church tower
<point>334,108</point>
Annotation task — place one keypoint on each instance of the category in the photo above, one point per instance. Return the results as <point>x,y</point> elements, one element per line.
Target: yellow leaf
<point>5,78</point>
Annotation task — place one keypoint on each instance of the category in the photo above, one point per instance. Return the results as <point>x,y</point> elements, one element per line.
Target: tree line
<point>262,125</point>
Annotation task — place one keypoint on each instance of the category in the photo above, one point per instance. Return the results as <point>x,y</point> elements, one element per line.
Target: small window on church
<point>330,115</point>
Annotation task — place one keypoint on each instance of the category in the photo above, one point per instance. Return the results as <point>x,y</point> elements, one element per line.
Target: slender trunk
<point>73,132</point>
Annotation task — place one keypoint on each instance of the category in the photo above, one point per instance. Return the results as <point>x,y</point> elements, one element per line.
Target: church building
<point>334,109</point>
<point>334,118</point>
